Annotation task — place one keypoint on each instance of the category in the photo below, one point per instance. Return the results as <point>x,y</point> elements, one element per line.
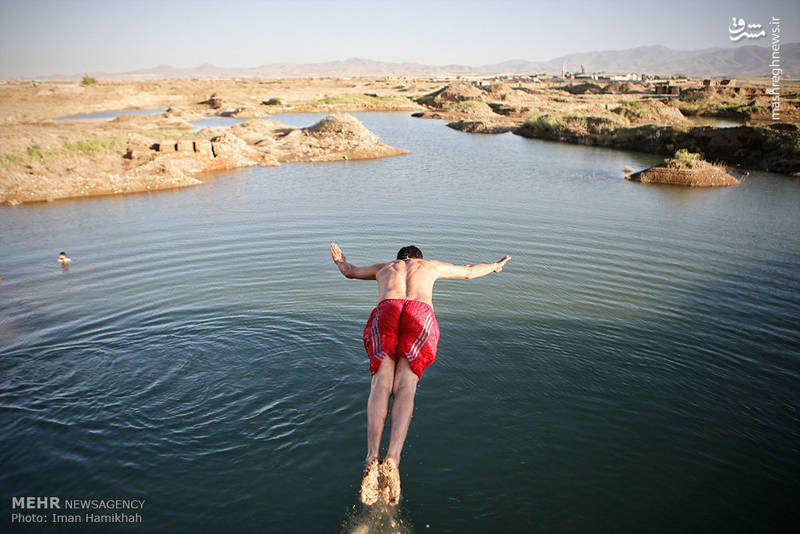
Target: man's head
<point>409,252</point>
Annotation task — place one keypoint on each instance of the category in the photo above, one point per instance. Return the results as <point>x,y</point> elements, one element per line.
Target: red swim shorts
<point>400,327</point>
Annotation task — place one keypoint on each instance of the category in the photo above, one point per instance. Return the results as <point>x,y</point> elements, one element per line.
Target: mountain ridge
<point>742,61</point>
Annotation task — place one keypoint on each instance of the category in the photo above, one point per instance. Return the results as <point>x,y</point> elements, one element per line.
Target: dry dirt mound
<point>481,126</point>
<point>505,92</point>
<point>699,177</point>
<point>582,88</point>
<point>342,125</point>
<point>627,88</point>
<point>650,112</point>
<point>455,92</point>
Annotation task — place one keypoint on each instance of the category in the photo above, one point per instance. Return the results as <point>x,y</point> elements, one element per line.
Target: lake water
<point>111,115</point>
<point>216,122</point>
<point>716,122</point>
<point>634,369</point>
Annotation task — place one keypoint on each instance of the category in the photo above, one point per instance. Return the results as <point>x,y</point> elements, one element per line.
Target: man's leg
<point>404,389</point>
<point>378,406</point>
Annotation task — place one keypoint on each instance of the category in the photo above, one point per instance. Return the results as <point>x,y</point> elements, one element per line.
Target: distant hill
<point>741,61</point>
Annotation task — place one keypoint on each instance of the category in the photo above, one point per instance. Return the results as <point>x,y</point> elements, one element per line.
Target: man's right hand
<point>501,263</point>
<point>336,254</point>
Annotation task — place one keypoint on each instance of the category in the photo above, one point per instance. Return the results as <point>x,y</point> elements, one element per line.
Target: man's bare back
<point>411,278</point>
<point>407,279</point>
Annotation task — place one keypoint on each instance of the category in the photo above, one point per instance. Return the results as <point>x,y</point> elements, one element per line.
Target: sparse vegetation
<point>84,147</point>
<point>363,100</point>
<point>683,159</point>
<point>96,146</point>
<point>35,152</point>
<point>577,123</point>
<point>88,80</point>
<point>693,96</point>
<point>469,106</point>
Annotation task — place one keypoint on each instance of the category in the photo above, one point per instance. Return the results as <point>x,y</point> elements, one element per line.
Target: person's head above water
<point>62,257</point>
<point>409,252</point>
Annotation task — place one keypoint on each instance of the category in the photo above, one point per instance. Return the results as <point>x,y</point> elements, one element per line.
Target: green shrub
<point>35,152</point>
<point>692,96</point>
<point>685,159</point>
<point>88,80</point>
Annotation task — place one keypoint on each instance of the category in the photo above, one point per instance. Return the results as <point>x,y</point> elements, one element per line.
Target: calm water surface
<point>716,122</point>
<point>215,122</point>
<point>111,115</point>
<point>634,369</point>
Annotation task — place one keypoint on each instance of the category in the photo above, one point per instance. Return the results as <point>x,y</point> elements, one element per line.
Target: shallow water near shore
<point>716,122</point>
<point>634,369</point>
<point>111,115</point>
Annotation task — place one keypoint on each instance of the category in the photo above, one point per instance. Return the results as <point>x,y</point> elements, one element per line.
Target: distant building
<point>604,76</point>
<point>664,88</point>
<point>629,77</point>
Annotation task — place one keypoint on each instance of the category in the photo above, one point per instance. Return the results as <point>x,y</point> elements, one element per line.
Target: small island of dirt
<point>687,169</point>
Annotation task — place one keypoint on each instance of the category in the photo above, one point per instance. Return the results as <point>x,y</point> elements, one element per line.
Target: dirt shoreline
<point>43,159</point>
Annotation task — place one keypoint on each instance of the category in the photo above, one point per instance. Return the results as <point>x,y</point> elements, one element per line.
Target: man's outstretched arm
<point>350,270</point>
<point>448,270</point>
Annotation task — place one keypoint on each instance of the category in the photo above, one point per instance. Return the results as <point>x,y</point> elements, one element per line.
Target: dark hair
<point>409,252</point>
<point>62,252</point>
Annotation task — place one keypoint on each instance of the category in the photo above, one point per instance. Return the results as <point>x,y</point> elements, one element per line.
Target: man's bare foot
<point>391,482</point>
<point>371,484</point>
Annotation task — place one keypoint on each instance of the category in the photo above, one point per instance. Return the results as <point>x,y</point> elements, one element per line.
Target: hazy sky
<point>39,37</point>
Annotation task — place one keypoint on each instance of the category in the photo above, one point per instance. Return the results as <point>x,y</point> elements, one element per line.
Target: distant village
<point>671,85</point>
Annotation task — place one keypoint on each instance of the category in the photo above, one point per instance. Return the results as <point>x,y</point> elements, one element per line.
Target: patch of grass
<point>683,159</point>
<point>577,123</point>
<point>689,158</point>
<point>632,105</point>
<point>469,106</point>
<point>35,152</point>
<point>88,80</point>
<point>692,96</point>
<point>632,110</point>
<point>365,100</point>
<point>83,147</point>
<point>96,146</point>
<point>14,158</point>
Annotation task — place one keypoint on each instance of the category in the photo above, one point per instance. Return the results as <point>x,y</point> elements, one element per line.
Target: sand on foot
<point>370,484</point>
<point>390,491</point>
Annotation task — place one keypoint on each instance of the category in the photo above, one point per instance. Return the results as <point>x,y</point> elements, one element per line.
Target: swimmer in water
<point>63,260</point>
<point>401,337</point>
